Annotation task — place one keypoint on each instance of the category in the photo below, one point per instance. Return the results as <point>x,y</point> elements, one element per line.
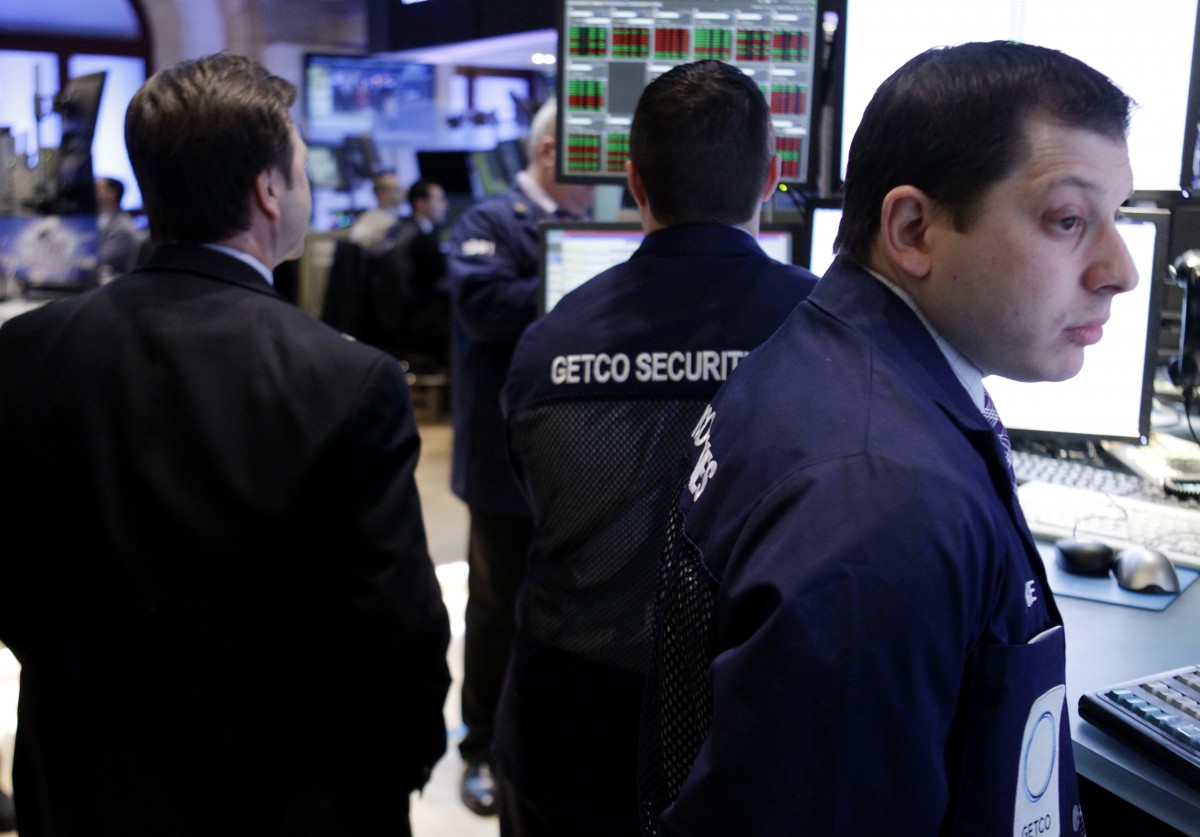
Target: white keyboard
<point>1063,511</point>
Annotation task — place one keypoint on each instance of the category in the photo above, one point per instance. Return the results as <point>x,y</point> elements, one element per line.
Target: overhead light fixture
<point>544,58</point>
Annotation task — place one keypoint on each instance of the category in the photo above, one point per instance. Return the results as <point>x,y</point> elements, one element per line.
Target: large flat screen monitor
<point>356,94</point>
<point>1146,48</point>
<point>574,252</point>
<point>1111,398</point>
<point>609,50</point>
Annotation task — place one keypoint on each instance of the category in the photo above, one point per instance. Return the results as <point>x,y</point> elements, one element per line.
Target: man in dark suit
<point>408,283</point>
<point>219,588</point>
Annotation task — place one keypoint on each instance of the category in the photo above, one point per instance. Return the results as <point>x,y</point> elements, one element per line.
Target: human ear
<point>904,221</point>
<point>266,192</point>
<point>636,187</point>
<point>774,174</point>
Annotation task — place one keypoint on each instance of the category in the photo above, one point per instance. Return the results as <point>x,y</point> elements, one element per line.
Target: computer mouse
<point>1145,571</point>
<point>1081,557</point>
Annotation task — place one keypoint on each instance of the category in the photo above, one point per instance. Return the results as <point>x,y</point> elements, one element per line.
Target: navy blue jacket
<point>600,397</point>
<point>493,274</point>
<point>889,657</point>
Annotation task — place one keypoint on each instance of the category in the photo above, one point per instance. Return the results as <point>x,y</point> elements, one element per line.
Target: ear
<point>905,218</point>
<point>636,187</point>
<point>773,176</point>
<point>267,187</point>
<point>547,148</point>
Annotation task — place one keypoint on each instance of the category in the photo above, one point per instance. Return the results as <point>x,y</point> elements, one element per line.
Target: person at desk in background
<point>409,280</point>
<point>119,238</point>
<point>598,453</point>
<point>221,570</point>
<point>374,230</point>
<point>493,268</point>
<point>886,651</point>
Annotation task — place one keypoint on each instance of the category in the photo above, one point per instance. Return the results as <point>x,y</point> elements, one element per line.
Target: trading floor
<point>438,812</point>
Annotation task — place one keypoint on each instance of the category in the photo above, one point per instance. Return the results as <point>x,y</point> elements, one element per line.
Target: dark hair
<point>420,190</point>
<point>116,186</point>
<point>198,135</point>
<point>701,139</point>
<point>951,122</point>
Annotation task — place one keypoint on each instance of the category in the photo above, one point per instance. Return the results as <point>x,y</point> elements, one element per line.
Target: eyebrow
<point>1072,180</point>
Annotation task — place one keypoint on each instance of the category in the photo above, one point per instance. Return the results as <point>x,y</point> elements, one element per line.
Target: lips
<point>1089,333</point>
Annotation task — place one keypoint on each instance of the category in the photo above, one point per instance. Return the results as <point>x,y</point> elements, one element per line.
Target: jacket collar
<point>206,263</point>
<point>698,239</point>
<point>850,294</point>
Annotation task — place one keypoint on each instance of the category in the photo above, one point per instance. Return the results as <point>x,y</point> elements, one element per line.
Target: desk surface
<point>1108,644</point>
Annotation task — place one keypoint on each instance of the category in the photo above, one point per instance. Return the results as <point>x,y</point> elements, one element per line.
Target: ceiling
<point>514,52</point>
<point>100,18</point>
<point>282,20</point>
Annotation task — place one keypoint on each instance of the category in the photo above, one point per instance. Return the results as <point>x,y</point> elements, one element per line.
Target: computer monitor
<point>326,168</point>
<point>78,104</point>
<point>575,251</point>
<point>489,174</point>
<point>449,169</point>
<point>822,219</point>
<point>609,50</point>
<point>49,253</point>
<point>1110,399</point>
<point>360,156</point>
<point>1146,49</point>
<point>359,94</point>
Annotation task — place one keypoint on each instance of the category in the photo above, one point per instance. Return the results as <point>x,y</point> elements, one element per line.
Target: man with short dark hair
<point>600,397</point>
<point>887,656</point>
<point>220,592</point>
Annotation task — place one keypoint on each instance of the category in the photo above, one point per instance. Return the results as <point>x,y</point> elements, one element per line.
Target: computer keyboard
<point>1159,714</point>
<point>1057,511</point>
<point>1029,466</point>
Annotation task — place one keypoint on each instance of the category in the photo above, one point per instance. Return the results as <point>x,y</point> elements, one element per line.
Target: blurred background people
<point>120,239</point>
<point>371,229</point>
<point>493,267</point>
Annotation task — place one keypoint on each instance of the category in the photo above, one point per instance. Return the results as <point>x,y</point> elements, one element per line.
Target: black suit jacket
<point>216,580</point>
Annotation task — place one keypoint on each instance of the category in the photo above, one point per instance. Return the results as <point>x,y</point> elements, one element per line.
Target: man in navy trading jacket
<point>600,397</point>
<point>492,270</point>
<point>888,657</point>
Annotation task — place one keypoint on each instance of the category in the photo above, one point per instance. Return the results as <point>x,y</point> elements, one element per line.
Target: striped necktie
<point>993,419</point>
